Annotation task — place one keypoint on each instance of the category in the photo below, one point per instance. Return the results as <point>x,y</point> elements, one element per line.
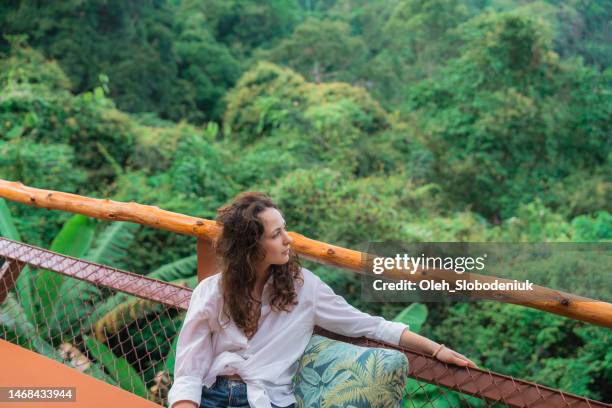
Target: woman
<point>247,327</point>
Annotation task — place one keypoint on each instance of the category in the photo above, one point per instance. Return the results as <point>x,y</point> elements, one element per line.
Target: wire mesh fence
<point>113,325</point>
<point>122,328</point>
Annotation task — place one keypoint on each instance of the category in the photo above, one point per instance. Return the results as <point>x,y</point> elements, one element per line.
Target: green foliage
<point>22,331</point>
<point>120,370</point>
<point>269,97</point>
<point>187,70</point>
<point>593,228</point>
<point>26,66</point>
<point>332,123</point>
<point>458,227</point>
<point>415,29</point>
<point>19,319</point>
<point>321,50</point>
<point>264,98</point>
<point>153,248</point>
<point>198,172</point>
<point>40,164</point>
<point>73,240</point>
<point>359,202</point>
<point>579,28</point>
<point>76,236</point>
<point>108,248</point>
<point>247,24</point>
<point>315,191</point>
<point>361,110</point>
<point>183,268</point>
<point>531,344</point>
<point>82,138</point>
<point>493,122</point>
<point>590,37</point>
<point>534,222</point>
<point>259,165</point>
<point>583,192</point>
<point>351,211</point>
<point>206,68</point>
<point>7,227</point>
<point>414,316</point>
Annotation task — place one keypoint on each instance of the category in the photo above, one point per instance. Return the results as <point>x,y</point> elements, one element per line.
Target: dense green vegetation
<point>416,121</point>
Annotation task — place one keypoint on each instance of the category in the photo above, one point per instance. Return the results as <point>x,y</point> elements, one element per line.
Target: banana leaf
<point>111,246</point>
<point>7,227</point>
<point>74,239</point>
<point>414,316</point>
<point>118,368</point>
<point>182,268</point>
<point>79,298</point>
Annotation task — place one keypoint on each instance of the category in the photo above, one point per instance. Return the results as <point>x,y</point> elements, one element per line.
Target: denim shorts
<point>227,394</point>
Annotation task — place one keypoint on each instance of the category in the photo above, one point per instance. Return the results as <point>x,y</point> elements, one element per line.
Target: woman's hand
<point>450,356</point>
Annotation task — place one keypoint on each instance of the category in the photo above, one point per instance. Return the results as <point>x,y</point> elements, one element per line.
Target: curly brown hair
<point>239,249</point>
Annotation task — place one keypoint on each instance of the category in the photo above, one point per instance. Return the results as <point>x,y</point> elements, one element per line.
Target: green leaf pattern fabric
<point>336,374</point>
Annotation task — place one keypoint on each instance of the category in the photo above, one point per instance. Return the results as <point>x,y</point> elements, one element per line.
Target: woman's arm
<point>193,351</point>
<point>334,313</point>
<point>424,345</point>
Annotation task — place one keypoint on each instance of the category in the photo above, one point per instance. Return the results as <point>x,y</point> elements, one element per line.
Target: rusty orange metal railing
<point>120,327</point>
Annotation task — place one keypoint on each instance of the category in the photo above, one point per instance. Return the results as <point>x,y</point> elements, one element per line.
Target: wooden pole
<point>207,260</point>
<point>541,298</point>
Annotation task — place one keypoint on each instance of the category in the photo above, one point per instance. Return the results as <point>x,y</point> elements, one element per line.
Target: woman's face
<point>275,240</point>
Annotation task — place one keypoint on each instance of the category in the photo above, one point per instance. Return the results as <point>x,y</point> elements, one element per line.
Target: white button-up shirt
<point>269,360</point>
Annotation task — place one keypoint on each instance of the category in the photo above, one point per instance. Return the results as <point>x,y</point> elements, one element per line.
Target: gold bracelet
<point>437,351</point>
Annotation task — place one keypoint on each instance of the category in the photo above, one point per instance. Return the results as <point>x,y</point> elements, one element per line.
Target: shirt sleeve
<point>193,349</point>
<point>334,313</point>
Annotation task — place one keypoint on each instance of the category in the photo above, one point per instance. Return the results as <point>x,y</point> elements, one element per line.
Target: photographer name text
<point>458,285</point>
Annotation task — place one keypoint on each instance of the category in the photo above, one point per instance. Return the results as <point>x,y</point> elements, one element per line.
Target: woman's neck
<point>262,277</point>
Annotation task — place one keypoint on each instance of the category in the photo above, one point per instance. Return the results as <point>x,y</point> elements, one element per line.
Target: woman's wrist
<point>419,343</point>
<point>438,349</point>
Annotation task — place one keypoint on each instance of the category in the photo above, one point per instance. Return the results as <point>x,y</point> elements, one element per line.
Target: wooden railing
<point>206,231</point>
